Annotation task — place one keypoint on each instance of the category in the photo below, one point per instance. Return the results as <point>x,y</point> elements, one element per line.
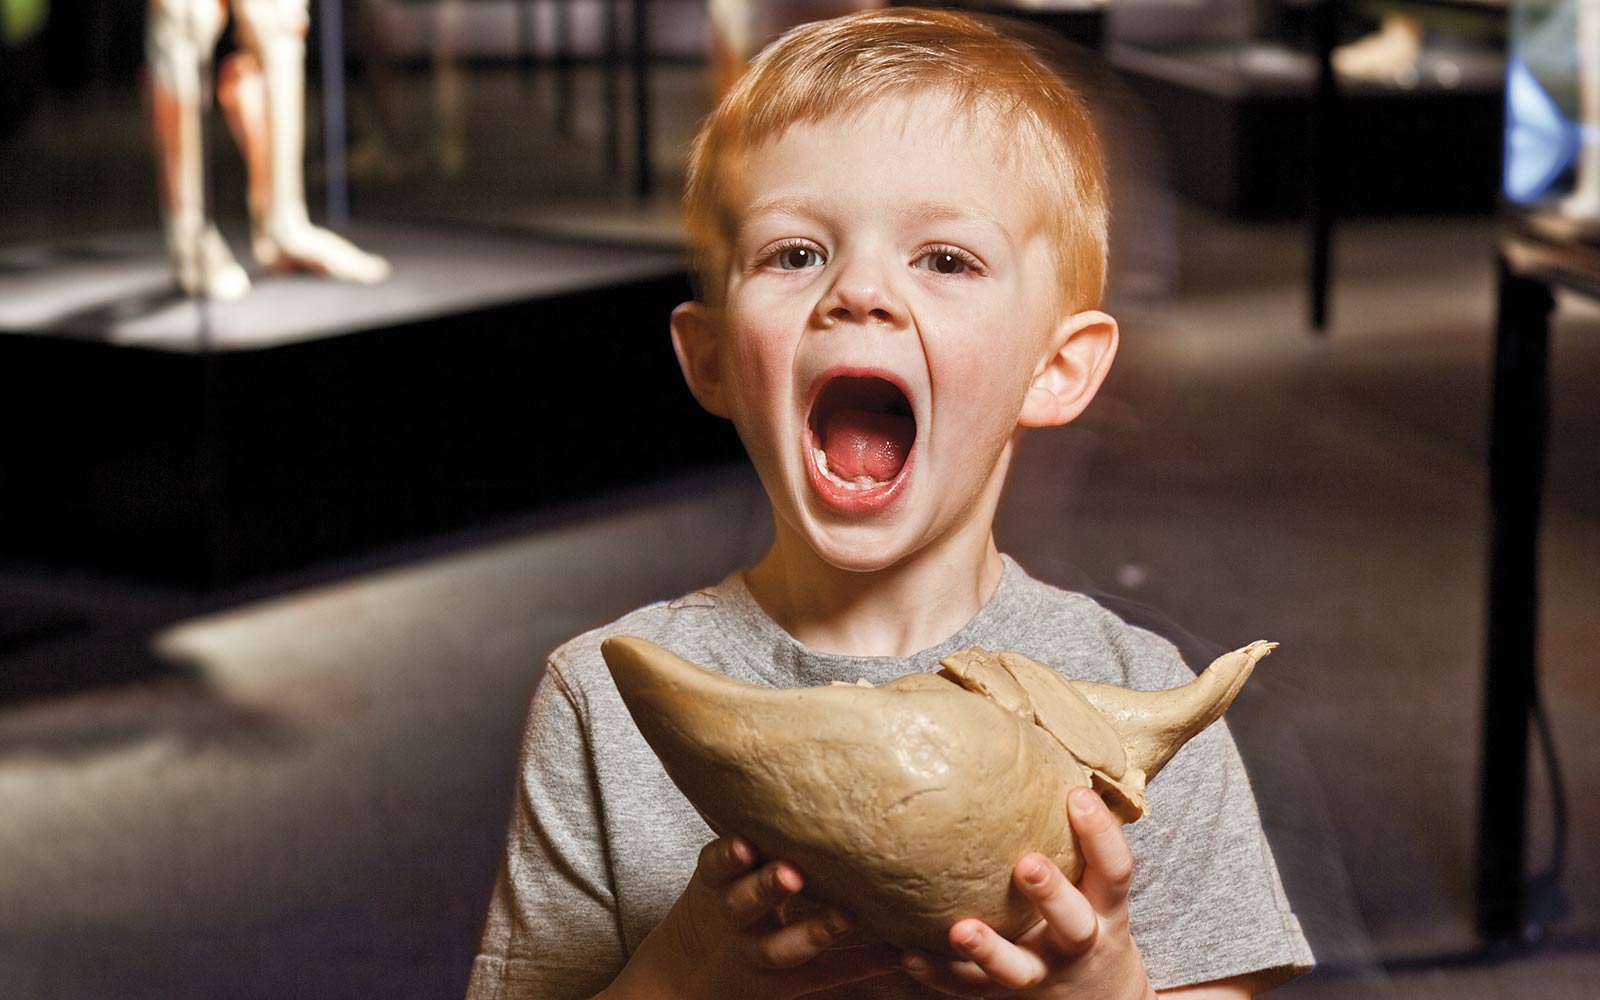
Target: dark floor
<point>298,788</point>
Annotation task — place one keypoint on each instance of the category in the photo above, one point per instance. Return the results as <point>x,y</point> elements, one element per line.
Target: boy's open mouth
<point>862,431</point>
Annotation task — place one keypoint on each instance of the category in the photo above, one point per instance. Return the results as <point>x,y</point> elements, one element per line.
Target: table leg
<point>1517,433</point>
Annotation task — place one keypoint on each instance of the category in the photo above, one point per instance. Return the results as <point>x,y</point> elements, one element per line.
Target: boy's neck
<point>897,611</point>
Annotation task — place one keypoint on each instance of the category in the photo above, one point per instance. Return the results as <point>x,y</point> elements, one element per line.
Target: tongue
<point>864,443</point>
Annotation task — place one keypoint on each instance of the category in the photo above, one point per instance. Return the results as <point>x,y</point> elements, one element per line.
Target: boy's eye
<point>797,258</point>
<point>947,260</point>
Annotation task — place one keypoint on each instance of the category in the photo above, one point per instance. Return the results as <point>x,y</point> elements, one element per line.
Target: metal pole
<point>527,39</point>
<point>613,96</point>
<point>335,151</point>
<point>644,179</point>
<point>566,93</point>
<point>1323,148</point>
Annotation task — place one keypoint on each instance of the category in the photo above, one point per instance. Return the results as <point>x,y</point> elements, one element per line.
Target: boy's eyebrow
<point>933,211</point>
<point>786,204</point>
<point>925,212</point>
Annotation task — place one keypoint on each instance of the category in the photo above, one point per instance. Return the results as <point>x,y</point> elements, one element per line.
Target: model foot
<point>312,248</point>
<point>1386,54</point>
<point>1582,205</point>
<point>204,266</point>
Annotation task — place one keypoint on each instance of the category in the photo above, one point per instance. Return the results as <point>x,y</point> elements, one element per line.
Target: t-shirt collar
<point>779,659</point>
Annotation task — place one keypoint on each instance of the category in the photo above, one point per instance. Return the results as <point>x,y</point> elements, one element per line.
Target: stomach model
<point>910,802</point>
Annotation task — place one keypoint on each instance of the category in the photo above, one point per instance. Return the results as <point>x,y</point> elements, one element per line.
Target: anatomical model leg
<point>179,38</point>
<point>1386,54</point>
<point>263,93</point>
<point>1584,201</point>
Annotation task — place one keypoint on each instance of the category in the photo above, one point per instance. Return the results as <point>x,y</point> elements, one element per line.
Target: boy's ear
<point>1075,363</point>
<point>694,338</point>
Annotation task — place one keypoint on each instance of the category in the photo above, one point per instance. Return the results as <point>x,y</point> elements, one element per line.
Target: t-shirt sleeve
<point>552,930</point>
<point>1206,901</point>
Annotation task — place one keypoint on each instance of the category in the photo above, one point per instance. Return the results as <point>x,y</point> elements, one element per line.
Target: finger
<point>758,893</point>
<point>1070,921</point>
<point>724,860</point>
<point>1002,961</point>
<point>801,941</point>
<point>953,976</point>
<point>1108,864</point>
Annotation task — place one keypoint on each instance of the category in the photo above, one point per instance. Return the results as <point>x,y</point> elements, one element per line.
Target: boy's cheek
<point>984,372</point>
<point>760,347</point>
<point>755,373</point>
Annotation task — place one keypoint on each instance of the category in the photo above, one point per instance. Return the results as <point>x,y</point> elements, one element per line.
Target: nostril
<point>881,315</point>
<point>839,312</point>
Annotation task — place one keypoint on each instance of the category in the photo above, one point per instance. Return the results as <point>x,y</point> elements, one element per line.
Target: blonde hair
<point>839,67</point>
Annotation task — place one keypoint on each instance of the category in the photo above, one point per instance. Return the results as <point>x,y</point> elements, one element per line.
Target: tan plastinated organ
<point>910,802</point>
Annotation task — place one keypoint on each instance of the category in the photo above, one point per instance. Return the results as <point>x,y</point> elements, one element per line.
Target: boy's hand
<point>726,936</point>
<point>1081,948</point>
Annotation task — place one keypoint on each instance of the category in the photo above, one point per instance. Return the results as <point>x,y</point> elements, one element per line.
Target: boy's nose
<point>861,294</point>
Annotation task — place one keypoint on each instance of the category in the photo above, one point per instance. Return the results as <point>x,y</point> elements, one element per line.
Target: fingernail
<point>967,940</point>
<point>1035,873</point>
<point>1083,798</point>
<point>915,964</point>
<point>838,923</point>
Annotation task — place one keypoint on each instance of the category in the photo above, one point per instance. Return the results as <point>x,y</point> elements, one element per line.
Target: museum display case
<point>230,367</point>
<point>1413,129</point>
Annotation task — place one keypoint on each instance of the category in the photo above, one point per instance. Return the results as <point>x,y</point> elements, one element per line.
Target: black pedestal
<point>1238,122</point>
<point>209,467</point>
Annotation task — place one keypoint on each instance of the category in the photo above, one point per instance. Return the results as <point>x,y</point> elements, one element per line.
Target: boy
<point>899,225</point>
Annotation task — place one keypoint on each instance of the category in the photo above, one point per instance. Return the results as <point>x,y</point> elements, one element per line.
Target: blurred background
<point>278,571</point>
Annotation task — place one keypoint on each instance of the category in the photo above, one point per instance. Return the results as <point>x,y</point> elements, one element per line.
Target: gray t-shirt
<point>601,843</point>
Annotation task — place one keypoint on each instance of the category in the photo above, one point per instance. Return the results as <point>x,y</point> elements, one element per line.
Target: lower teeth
<point>856,485</point>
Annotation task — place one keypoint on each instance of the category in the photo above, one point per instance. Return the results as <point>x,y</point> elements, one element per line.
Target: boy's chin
<point>858,548</point>
<point>874,563</point>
